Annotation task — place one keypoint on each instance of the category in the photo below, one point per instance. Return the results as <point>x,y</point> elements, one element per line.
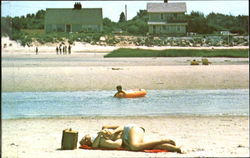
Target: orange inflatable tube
<point>134,93</point>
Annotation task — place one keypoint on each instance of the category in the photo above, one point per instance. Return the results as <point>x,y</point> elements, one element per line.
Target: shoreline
<point>128,117</point>
<point>82,48</point>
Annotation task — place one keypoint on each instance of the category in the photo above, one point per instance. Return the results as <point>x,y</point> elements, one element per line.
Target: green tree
<point>244,23</point>
<point>197,22</point>
<point>142,15</point>
<point>108,25</point>
<point>122,18</point>
<point>40,14</point>
<point>6,26</point>
<point>133,29</point>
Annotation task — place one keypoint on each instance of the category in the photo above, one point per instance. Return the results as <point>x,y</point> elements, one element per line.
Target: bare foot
<point>169,141</point>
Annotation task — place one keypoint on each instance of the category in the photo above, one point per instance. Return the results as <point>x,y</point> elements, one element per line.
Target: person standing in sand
<point>56,50</point>
<point>36,50</point>
<point>130,137</point>
<point>69,49</point>
<point>60,48</point>
<point>63,50</point>
<point>65,47</point>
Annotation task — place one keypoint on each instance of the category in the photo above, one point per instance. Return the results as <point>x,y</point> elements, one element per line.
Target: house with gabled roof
<point>75,19</point>
<point>166,18</point>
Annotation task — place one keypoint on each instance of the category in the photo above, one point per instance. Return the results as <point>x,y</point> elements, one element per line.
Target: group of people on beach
<point>63,49</point>
<point>130,137</point>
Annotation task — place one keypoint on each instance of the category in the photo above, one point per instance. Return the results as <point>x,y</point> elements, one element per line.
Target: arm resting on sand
<point>109,127</point>
<point>116,129</point>
<point>97,141</point>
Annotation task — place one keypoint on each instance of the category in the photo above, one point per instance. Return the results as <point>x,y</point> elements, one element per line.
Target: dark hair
<point>119,87</point>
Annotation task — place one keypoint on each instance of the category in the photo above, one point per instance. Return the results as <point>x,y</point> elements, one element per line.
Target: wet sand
<point>90,71</point>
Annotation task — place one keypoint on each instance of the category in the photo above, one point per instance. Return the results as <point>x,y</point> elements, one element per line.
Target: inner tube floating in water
<point>133,93</point>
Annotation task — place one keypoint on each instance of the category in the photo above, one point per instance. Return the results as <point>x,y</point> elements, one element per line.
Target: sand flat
<point>104,78</point>
<point>90,71</point>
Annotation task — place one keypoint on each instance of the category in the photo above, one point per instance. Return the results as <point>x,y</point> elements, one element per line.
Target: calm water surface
<point>102,103</point>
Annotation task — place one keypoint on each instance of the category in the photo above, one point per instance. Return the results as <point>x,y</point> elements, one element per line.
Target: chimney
<point>77,5</point>
<point>165,1</point>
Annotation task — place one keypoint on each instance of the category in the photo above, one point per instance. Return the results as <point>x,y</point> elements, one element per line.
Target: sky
<point>113,9</point>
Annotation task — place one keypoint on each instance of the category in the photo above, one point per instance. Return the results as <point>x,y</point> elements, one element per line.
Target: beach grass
<point>128,52</point>
<point>34,31</point>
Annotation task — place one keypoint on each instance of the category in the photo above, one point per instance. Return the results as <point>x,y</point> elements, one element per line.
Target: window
<point>178,28</point>
<point>162,16</point>
<point>167,28</point>
<point>154,29</point>
<point>54,28</point>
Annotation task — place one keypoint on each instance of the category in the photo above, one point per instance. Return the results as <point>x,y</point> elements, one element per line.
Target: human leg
<point>168,147</point>
<point>136,140</point>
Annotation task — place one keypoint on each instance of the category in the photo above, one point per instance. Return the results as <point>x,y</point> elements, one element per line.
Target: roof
<point>73,16</point>
<point>166,7</point>
<point>165,23</point>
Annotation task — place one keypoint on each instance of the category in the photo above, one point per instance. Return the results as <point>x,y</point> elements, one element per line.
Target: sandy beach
<point>226,136</point>
<point>199,136</point>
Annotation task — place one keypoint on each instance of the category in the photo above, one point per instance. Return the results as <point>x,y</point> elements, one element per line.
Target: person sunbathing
<point>106,138</point>
<point>130,137</point>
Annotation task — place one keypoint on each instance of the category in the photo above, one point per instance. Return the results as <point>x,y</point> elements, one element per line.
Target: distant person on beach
<point>65,48</point>
<point>119,92</point>
<point>36,50</point>
<point>69,49</point>
<point>57,50</point>
<point>130,137</point>
<point>194,62</point>
<point>60,48</point>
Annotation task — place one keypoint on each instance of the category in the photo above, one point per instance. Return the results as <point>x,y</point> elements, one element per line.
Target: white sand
<point>199,136</point>
<point>85,47</point>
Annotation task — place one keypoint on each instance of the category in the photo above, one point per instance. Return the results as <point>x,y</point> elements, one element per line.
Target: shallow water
<point>102,103</point>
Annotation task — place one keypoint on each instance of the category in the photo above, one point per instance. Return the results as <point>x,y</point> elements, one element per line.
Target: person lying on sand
<point>130,137</point>
<point>120,92</point>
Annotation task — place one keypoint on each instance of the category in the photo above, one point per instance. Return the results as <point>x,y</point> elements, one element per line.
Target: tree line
<point>197,23</point>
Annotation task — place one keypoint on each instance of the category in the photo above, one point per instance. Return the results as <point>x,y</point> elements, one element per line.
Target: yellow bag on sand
<point>69,139</point>
<point>205,61</point>
<point>194,62</point>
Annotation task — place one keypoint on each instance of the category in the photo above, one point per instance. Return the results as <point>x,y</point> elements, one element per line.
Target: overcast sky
<point>112,9</point>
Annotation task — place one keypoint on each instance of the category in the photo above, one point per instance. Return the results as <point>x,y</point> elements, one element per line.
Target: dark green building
<point>75,19</point>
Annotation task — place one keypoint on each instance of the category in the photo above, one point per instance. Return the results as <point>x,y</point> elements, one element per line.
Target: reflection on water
<point>102,103</point>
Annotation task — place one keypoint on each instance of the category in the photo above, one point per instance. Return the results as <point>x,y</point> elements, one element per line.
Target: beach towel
<point>122,149</point>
